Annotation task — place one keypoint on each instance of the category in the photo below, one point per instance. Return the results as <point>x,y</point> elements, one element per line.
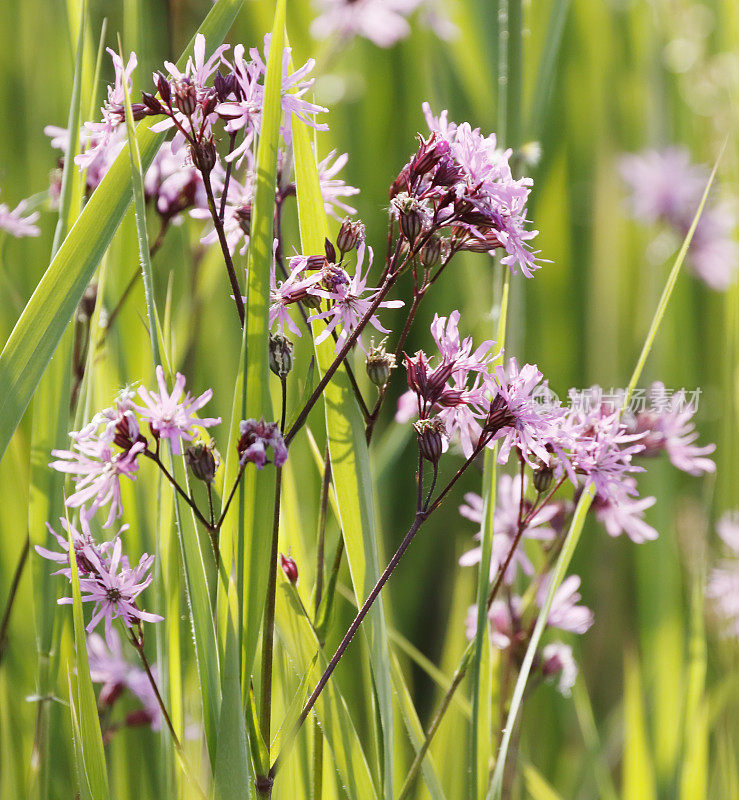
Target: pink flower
<point>565,614</point>
<point>334,189</point>
<point>505,528</point>
<point>97,470</point>
<point>381,21</point>
<point>15,223</point>
<point>172,416</point>
<point>292,290</point>
<point>86,550</point>
<point>113,586</point>
<point>723,582</point>
<point>668,426</point>
<point>559,664</point>
<point>348,305</point>
<point>523,413</point>
<point>256,437</point>
<point>621,513</point>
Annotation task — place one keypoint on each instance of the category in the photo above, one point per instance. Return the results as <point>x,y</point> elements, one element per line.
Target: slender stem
<point>433,484</point>
<point>230,496</point>
<point>12,594</point>
<point>222,210</point>
<point>283,413</point>
<point>183,494</point>
<point>419,477</point>
<point>433,727</point>
<point>361,614</point>
<point>210,505</point>
<point>268,631</point>
<point>355,386</point>
<point>348,344</point>
<point>138,643</point>
<point>224,246</point>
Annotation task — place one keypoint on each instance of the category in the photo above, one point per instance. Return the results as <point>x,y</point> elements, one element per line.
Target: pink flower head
<point>114,586</point>
<point>15,223</point>
<point>668,426</point>
<point>108,666</point>
<point>349,302</point>
<point>523,414</point>
<point>505,528</point>
<point>565,614</point>
<point>172,416</point>
<point>294,86</point>
<point>333,189</point>
<point>620,512</point>
<point>256,437</point>
<point>381,21</point>
<point>97,470</point>
<point>504,617</point>
<point>293,289</point>
<point>558,664</point>
<point>87,552</point>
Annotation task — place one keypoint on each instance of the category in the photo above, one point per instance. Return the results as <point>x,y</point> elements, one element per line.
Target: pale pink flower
<point>172,416</point>
<point>565,614</point>
<point>17,222</point>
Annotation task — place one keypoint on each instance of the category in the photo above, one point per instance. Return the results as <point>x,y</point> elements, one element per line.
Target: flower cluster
<point>667,187</point>
<point>461,182</point>
<point>323,279</point>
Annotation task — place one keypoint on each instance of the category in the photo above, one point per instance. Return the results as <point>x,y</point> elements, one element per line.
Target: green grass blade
<point>586,720</point>
<point>91,738</point>
<point>547,71</point>
<point>259,485</point>
<point>232,781</point>
<point>302,644</point>
<point>638,772</point>
<point>350,464</point>
<point>537,787</point>
<point>44,319</point>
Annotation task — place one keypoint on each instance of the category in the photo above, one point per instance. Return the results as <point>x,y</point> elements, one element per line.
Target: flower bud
<point>203,460</point>
<point>312,301</point>
<point>209,104</point>
<point>431,252</point>
<point>164,88</point>
<point>185,96</point>
<point>543,476</point>
<point>379,365</point>
<point>350,234</point>
<point>290,568</point>
<point>152,104</point>
<point>224,85</point>
<point>280,354</point>
<point>207,156</point>
<point>243,215</point>
<point>410,216</point>
<point>431,433</point>
<point>330,251</point>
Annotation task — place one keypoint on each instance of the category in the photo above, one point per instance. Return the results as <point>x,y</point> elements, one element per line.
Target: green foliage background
<point>625,75</point>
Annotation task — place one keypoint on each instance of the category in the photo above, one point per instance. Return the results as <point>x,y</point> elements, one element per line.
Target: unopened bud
<point>410,216</point>
<point>431,252</point>
<point>280,354</point>
<point>186,97</point>
<point>543,476</point>
<point>379,365</point>
<point>330,251</point>
<point>290,568</point>
<point>164,88</point>
<point>203,460</point>
<point>431,433</point>
<point>209,104</point>
<point>243,215</point>
<point>350,234</point>
<point>152,104</point>
<point>207,155</point>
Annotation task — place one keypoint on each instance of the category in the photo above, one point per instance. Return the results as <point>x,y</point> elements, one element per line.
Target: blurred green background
<point>624,76</point>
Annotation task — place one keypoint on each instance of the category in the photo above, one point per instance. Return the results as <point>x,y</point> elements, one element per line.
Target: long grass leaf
<point>349,457</point>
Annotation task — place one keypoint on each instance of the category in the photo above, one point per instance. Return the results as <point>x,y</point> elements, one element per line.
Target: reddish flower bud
<point>290,568</point>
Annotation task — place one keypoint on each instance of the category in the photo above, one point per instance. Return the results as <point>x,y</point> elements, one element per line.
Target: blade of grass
<point>638,774</point>
<point>40,327</point>
<point>351,472</point>
<point>578,519</point>
<point>91,738</point>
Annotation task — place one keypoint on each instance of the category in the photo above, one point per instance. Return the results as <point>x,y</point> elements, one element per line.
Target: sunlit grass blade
<point>546,73</point>
<point>302,645</point>
<point>232,780</point>
<point>259,485</point>
<point>91,738</point>
<point>537,787</point>
<point>350,464</point>
<point>44,319</point>
<point>586,719</point>
<point>638,773</point>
